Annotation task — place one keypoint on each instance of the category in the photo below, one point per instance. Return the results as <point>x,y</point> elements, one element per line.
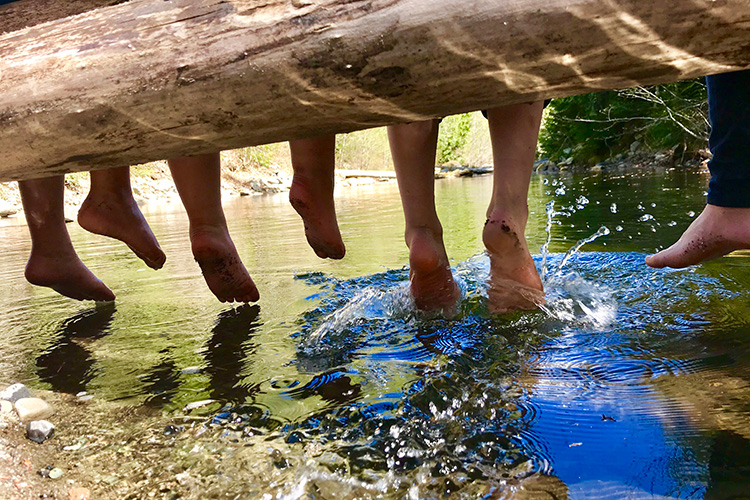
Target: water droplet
<point>618,228</point>
<point>672,223</point>
<point>646,217</point>
<point>691,214</point>
<point>613,208</point>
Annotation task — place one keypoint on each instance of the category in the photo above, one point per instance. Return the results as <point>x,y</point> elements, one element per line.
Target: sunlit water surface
<point>630,383</point>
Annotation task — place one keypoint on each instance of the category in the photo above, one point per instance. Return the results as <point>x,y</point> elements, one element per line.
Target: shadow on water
<point>68,366</point>
<point>231,346</point>
<point>629,383</point>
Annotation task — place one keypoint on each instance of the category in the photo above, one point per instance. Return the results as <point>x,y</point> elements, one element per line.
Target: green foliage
<point>453,138</point>
<point>364,150</point>
<point>260,156</point>
<point>597,126</point>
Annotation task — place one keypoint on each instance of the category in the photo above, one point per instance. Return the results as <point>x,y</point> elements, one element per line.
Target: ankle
<point>517,216</point>
<point>434,233</point>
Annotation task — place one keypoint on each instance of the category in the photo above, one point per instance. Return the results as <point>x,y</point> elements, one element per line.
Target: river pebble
<point>79,494</point>
<point>39,431</point>
<point>197,404</point>
<point>33,409</point>
<point>15,392</point>
<point>5,407</point>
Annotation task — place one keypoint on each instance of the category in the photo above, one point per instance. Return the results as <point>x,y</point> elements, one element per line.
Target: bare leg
<point>198,181</point>
<point>716,232</point>
<point>53,262</point>
<point>110,210</point>
<point>413,147</point>
<point>311,194</point>
<point>514,281</point>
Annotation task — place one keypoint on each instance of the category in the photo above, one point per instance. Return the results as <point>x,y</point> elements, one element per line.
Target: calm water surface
<point>631,383</point>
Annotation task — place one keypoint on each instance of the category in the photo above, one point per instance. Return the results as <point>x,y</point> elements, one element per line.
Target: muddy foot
<point>313,201</point>
<point>122,220</point>
<point>432,284</point>
<point>716,232</point>
<point>68,276</point>
<point>222,268</point>
<point>514,281</point>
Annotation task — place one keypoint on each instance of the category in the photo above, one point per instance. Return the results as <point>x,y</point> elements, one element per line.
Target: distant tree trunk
<point>151,79</point>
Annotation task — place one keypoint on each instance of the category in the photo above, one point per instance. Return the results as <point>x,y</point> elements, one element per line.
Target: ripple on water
<point>614,387</point>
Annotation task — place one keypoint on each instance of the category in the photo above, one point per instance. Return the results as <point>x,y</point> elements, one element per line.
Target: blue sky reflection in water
<point>574,393</point>
<point>631,383</point>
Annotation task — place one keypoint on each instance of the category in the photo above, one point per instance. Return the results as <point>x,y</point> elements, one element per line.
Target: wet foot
<point>716,232</point>
<point>514,281</point>
<point>122,220</point>
<point>222,268</point>
<point>432,284</point>
<point>313,201</point>
<point>67,275</point>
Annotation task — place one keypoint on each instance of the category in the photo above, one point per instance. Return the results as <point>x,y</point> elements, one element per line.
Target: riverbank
<point>152,183</point>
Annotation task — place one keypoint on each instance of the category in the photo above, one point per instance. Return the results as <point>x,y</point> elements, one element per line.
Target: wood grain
<point>151,79</point>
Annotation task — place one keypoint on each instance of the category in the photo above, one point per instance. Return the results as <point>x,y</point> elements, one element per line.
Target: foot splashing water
<point>580,399</point>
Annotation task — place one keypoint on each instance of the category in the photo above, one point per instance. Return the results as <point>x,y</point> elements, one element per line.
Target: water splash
<point>602,231</point>
<point>550,209</point>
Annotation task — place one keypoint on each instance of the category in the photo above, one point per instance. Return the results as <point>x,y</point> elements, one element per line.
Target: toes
<point>655,261</point>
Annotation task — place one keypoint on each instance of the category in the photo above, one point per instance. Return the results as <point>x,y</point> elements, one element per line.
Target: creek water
<point>630,383</point>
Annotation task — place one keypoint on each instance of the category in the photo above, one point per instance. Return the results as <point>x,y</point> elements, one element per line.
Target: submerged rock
<point>33,409</point>
<point>40,430</point>
<point>15,392</point>
<point>197,404</point>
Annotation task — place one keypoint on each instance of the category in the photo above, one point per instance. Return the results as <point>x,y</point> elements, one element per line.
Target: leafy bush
<point>597,126</point>
<point>454,134</point>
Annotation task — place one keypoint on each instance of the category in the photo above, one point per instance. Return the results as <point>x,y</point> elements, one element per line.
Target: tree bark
<point>21,14</point>
<point>152,79</point>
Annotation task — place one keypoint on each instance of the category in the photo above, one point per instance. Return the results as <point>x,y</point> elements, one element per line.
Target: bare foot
<point>514,281</point>
<point>67,275</point>
<point>121,219</point>
<point>313,201</point>
<point>432,284</point>
<point>716,232</point>
<point>222,268</point>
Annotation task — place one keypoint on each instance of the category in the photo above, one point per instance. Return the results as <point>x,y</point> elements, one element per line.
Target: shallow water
<point>631,383</point>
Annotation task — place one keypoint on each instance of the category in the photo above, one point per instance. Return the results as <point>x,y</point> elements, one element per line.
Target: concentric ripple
<point>594,390</point>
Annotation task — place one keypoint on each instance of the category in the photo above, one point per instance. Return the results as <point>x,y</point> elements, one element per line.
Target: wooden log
<point>151,79</point>
<point>21,14</point>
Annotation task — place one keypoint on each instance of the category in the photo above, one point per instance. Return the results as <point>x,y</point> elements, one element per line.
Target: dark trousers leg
<point>729,141</point>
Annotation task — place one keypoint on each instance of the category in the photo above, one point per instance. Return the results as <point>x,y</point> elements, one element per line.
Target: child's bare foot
<point>120,218</point>
<point>432,284</point>
<point>313,201</point>
<point>222,268</point>
<point>514,281</point>
<point>716,232</point>
<point>67,275</point>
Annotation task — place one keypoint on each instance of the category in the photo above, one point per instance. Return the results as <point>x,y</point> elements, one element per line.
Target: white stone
<point>33,409</point>
<point>198,404</point>
<point>40,430</point>
<point>5,406</point>
<point>15,392</point>
<point>7,210</point>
